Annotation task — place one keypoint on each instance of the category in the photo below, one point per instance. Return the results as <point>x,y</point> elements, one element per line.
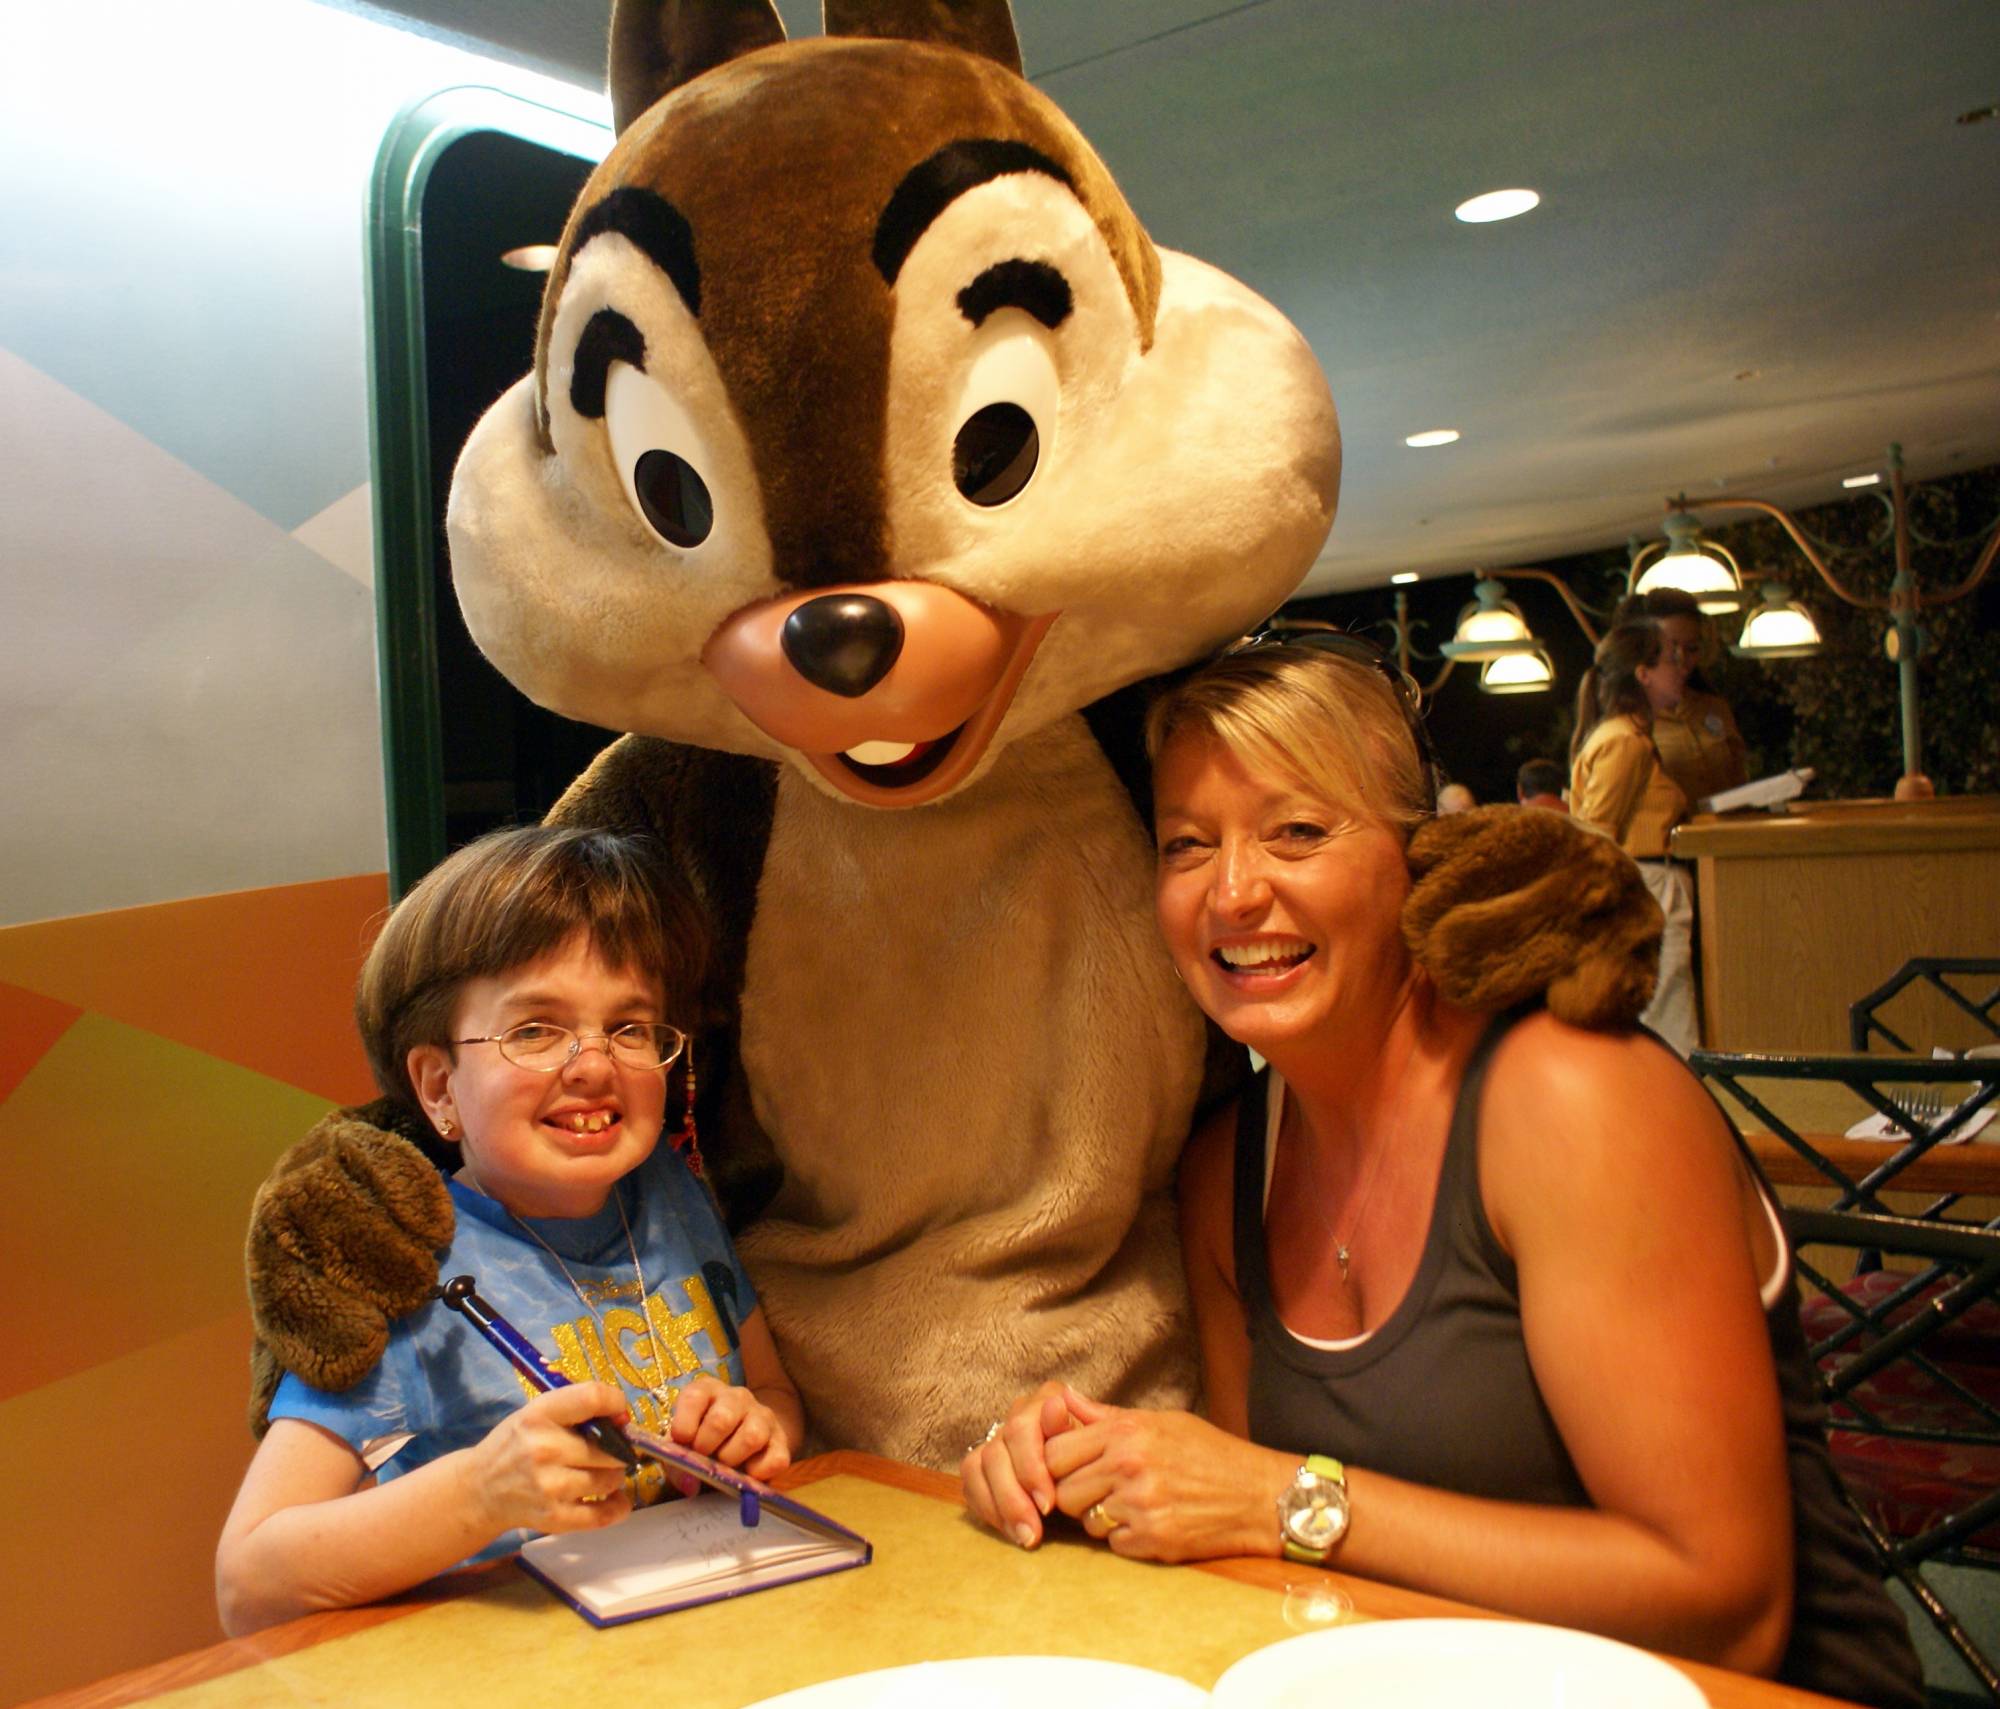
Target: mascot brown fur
<point>873,462</point>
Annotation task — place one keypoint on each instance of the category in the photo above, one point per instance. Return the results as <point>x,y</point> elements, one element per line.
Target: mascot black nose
<point>843,642</point>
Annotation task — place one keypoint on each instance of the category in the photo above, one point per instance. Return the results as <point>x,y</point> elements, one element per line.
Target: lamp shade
<point>1696,566</point>
<point>1780,628</point>
<point>1517,673</point>
<point>1490,627</point>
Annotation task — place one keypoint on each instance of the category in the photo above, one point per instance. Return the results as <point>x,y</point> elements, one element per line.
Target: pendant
<point>1340,1252</point>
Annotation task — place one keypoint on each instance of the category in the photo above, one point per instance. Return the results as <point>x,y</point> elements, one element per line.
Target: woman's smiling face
<point>1281,910</point>
<point>548,1145</point>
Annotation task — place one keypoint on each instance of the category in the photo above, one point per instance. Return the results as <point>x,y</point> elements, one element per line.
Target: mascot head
<point>868,430</point>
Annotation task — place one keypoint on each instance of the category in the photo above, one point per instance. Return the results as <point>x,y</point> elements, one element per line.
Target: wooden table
<point>1803,912</point>
<point>940,1587</point>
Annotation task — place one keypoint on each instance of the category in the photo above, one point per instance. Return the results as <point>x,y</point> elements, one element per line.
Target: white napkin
<point>1879,1126</point>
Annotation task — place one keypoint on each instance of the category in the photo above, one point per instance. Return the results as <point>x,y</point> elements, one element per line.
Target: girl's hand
<point>731,1425</point>
<point>532,1469</point>
<point>1006,1478</point>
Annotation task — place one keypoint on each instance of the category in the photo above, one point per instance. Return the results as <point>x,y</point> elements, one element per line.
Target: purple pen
<point>461,1294</point>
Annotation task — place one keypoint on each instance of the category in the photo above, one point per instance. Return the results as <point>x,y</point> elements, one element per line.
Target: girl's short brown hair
<point>509,899</point>
<point>1335,723</point>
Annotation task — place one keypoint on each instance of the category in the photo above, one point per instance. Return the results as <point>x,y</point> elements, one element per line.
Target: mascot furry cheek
<point>873,466</point>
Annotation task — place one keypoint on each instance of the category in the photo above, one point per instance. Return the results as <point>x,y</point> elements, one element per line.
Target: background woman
<point>1697,741</point>
<point>1619,785</point>
<point>1506,1285</point>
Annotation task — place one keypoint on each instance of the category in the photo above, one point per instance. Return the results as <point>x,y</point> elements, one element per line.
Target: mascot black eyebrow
<point>873,461</point>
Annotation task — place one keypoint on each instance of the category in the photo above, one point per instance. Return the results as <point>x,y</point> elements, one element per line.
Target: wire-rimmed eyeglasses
<point>1359,650</point>
<point>546,1048</point>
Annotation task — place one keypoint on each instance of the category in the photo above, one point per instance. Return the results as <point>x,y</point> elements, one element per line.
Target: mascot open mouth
<point>896,765</point>
<point>890,691</point>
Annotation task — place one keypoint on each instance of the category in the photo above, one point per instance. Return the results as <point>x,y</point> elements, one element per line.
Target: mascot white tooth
<point>873,461</point>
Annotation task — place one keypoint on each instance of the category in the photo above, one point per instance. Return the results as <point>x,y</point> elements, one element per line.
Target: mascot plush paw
<point>344,1236</point>
<point>873,461</point>
<point>1513,903</point>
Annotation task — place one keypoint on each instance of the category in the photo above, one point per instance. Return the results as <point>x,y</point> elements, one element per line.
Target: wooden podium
<point>1803,912</point>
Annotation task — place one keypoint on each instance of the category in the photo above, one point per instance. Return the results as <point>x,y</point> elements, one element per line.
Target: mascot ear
<point>657,45</point>
<point>984,27</point>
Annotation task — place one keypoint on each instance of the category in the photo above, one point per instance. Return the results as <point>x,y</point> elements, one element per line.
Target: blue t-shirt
<point>440,1386</point>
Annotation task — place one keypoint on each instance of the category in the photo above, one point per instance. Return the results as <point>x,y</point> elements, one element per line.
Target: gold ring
<point>593,1500</point>
<point>1098,1516</point>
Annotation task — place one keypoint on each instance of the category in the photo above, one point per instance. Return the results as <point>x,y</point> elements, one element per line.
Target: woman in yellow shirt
<point>1619,786</point>
<point>1697,740</point>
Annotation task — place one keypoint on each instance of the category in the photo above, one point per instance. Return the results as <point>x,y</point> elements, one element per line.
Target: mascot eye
<point>673,498</point>
<point>995,454</point>
<point>659,455</point>
<point>1007,410</point>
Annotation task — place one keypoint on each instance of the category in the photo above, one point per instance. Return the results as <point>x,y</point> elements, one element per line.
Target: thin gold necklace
<point>1342,1249</point>
<point>658,1389</point>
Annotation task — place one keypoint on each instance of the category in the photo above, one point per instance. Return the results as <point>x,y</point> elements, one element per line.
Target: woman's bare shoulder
<point>1567,1110</point>
<point>1547,1056</point>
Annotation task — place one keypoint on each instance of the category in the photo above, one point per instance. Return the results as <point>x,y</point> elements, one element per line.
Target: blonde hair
<point>507,900</point>
<point>1334,723</point>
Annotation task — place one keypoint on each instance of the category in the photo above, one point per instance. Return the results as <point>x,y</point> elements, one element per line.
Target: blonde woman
<point>1488,1306</point>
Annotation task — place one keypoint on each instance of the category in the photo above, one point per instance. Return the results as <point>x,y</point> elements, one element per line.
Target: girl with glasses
<point>519,1000</point>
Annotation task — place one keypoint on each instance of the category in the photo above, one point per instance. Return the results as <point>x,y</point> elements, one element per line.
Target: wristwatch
<point>1312,1513</point>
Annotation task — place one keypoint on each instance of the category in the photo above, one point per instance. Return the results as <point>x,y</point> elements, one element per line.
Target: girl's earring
<point>445,1128</point>
<point>686,1141</point>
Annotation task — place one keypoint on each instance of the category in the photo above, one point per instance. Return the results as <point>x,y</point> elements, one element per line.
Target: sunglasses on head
<point>1359,650</point>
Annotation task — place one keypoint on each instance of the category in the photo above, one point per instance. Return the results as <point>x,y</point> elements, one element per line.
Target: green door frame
<point>399,442</point>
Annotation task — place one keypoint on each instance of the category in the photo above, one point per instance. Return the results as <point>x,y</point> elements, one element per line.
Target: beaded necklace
<point>659,1390</point>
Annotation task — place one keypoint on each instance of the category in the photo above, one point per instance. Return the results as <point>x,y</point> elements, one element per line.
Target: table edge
<point>1383,1601</point>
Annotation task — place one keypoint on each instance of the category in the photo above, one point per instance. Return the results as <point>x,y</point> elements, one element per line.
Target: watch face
<point>1315,1512</point>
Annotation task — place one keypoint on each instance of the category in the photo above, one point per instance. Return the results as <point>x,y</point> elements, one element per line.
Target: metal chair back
<point>1864,1017</point>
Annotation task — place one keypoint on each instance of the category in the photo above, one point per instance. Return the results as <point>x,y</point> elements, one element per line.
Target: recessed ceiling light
<point>1403,577</point>
<point>1497,205</point>
<point>531,257</point>
<point>1436,436</point>
<point>1862,481</point>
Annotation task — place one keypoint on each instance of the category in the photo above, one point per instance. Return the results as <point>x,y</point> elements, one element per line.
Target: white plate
<point>999,1682</point>
<point>1448,1664</point>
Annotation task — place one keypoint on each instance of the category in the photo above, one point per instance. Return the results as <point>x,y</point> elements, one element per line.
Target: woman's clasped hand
<point>1159,1486</point>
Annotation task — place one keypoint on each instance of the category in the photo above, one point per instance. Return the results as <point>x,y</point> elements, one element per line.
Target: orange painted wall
<point>153,1062</point>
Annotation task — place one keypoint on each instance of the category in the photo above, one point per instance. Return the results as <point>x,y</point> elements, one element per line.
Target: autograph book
<point>736,1534</point>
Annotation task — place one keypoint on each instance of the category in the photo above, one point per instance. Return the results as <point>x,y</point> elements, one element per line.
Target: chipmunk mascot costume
<point>872,462</point>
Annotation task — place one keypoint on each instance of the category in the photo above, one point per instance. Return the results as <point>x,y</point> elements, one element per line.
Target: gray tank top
<point>1441,1393</point>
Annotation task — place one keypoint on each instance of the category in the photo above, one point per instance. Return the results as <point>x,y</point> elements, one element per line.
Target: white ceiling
<point>1766,247</point>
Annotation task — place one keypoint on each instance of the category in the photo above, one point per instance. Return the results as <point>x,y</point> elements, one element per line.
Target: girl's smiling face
<point>1281,911</point>
<point>547,1145</point>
